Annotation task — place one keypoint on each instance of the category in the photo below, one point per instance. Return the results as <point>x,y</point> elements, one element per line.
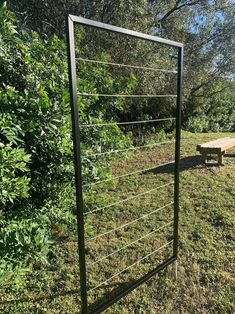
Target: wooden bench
<point>218,147</point>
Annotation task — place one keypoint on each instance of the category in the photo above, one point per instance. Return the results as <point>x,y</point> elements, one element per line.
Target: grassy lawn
<point>206,246</point>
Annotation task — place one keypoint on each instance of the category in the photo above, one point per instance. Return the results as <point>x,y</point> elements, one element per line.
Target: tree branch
<point>214,93</point>
<point>178,7</point>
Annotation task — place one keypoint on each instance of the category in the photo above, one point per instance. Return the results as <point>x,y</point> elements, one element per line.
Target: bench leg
<point>204,156</point>
<point>220,158</point>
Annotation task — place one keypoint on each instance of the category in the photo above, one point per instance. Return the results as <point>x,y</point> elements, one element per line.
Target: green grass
<point>206,243</point>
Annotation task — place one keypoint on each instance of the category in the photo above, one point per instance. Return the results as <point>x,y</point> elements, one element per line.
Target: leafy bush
<point>36,154</point>
<point>24,241</point>
<point>14,180</point>
<point>216,115</point>
<point>197,123</point>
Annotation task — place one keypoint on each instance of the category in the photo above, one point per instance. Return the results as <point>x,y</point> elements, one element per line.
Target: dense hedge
<point>36,156</point>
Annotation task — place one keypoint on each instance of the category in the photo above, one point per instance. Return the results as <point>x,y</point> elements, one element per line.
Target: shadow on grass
<point>110,295</point>
<point>118,287</point>
<point>185,164</point>
<point>106,297</point>
<point>190,162</point>
<point>229,155</point>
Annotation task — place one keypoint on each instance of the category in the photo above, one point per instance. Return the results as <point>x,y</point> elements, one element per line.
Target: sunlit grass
<point>206,246</point>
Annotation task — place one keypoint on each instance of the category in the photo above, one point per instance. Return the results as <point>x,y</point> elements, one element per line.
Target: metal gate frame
<point>71,20</point>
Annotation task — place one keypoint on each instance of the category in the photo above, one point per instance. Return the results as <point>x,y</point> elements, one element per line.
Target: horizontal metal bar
<point>125,65</point>
<point>127,199</point>
<point>130,222</point>
<point>124,31</point>
<point>134,285</point>
<point>123,123</point>
<point>127,149</point>
<point>137,262</point>
<point>124,95</point>
<point>131,243</point>
<point>128,174</point>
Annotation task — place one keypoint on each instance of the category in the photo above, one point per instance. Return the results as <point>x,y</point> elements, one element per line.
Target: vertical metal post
<point>77,160</point>
<point>177,148</point>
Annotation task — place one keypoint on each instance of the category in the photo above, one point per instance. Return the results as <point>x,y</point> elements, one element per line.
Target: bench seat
<point>218,147</point>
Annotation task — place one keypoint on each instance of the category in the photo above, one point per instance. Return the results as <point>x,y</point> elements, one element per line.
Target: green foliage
<point>217,115</point>
<point>24,241</point>
<point>197,124</point>
<point>14,182</point>
<point>33,78</point>
<point>36,153</point>
<point>205,27</point>
<point>221,113</point>
<point>11,275</point>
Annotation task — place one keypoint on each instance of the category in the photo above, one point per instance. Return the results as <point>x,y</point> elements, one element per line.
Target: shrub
<point>36,154</point>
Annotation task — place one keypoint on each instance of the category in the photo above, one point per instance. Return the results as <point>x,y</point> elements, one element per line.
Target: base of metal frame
<point>134,285</point>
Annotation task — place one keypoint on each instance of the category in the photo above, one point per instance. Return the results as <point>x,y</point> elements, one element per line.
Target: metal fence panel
<point>71,21</point>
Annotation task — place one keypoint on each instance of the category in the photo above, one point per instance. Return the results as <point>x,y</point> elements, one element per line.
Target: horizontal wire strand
<point>126,96</point>
<point>127,149</point>
<point>137,262</point>
<point>139,147</point>
<point>139,171</point>
<point>125,65</point>
<point>129,223</point>
<point>127,199</point>
<point>128,174</point>
<point>124,123</point>
<point>131,243</point>
<point>200,139</point>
